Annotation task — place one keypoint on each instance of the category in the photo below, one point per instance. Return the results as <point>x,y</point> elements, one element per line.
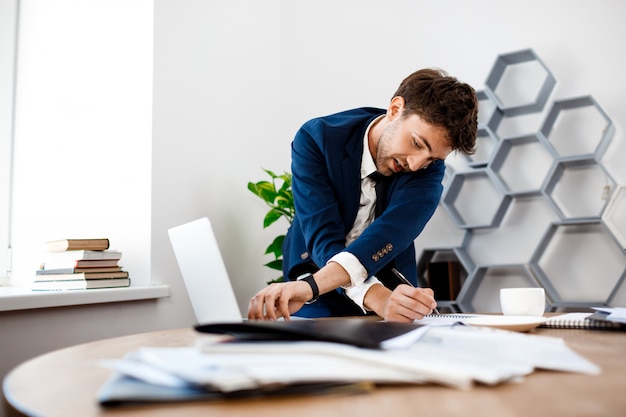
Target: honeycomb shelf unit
<point>521,164</point>
<point>484,288</point>
<point>534,209</point>
<point>569,275</point>
<point>578,128</point>
<point>520,83</point>
<point>571,179</point>
<point>474,200</point>
<point>615,216</point>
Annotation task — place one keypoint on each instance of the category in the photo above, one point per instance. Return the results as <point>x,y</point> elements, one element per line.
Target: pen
<point>407,282</point>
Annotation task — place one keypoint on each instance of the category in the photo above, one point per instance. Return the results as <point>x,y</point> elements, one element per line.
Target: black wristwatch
<point>308,277</point>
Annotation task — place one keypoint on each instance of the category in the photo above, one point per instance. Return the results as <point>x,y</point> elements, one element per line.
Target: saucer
<point>513,323</point>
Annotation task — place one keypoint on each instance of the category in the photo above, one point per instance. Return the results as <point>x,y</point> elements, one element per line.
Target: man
<point>349,242</point>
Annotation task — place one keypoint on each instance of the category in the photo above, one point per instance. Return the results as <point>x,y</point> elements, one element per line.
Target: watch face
<point>303,276</point>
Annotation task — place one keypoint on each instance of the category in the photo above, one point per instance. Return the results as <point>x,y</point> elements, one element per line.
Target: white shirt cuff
<point>353,267</point>
<point>357,293</point>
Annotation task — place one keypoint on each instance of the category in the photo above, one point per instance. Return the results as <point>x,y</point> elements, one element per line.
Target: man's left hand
<point>279,300</point>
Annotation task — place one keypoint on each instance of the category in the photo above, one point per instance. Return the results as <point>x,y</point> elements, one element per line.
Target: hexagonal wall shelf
<point>516,238</point>
<point>535,203</point>
<point>444,272</point>
<point>615,216</point>
<point>578,128</point>
<point>482,291</point>
<point>520,83</point>
<point>579,265</point>
<point>522,164</point>
<point>579,189</point>
<point>474,201</point>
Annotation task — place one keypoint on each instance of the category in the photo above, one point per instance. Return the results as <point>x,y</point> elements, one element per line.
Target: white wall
<point>217,121</point>
<point>235,79</point>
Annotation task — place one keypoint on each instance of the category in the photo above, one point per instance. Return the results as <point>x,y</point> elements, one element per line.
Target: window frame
<point>9,20</point>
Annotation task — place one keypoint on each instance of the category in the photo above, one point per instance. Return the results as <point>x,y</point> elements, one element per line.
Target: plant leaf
<point>266,191</point>
<point>276,246</point>
<point>271,217</point>
<point>276,264</point>
<point>270,173</point>
<point>279,197</point>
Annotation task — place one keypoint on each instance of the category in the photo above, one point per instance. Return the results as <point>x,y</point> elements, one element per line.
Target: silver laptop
<point>204,273</point>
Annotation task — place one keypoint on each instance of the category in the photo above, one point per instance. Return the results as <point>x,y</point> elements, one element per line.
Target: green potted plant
<point>278,196</point>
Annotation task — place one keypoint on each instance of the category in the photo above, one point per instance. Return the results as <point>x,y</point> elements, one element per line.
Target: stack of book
<point>78,264</point>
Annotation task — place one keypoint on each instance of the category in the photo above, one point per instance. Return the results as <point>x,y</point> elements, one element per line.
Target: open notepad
<point>574,320</point>
<point>514,323</point>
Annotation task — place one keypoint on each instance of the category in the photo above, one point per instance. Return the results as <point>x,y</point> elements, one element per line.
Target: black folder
<point>360,332</point>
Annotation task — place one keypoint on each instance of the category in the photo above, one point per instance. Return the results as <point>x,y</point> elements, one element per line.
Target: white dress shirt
<point>359,284</point>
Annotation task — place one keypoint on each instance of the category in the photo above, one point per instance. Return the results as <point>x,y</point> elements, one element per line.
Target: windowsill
<point>21,298</point>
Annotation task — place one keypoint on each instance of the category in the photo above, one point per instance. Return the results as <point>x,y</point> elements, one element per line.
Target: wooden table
<point>65,382</point>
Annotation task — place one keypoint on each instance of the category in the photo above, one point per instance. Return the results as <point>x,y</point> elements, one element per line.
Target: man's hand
<point>279,300</point>
<point>285,298</point>
<point>404,304</point>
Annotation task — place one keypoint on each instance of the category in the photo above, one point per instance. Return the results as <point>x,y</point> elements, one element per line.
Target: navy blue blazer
<point>326,164</point>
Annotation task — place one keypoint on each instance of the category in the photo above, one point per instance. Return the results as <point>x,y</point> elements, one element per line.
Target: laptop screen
<point>204,273</point>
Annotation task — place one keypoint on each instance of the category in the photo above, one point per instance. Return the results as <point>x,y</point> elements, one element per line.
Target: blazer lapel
<point>351,168</point>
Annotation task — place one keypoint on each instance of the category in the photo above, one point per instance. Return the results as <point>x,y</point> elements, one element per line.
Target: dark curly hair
<point>443,101</point>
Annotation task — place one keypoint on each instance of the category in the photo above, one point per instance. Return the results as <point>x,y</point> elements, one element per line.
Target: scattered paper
<point>454,356</point>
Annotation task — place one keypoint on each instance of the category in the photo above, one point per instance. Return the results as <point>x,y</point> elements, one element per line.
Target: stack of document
<point>456,356</point>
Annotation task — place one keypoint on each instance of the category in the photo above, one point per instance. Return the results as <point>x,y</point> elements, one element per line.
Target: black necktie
<point>381,185</point>
<point>385,275</point>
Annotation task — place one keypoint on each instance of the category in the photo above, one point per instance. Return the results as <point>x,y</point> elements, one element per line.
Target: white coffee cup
<point>522,301</point>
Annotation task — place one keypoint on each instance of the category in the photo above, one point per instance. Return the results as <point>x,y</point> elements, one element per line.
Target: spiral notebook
<point>515,323</point>
<point>588,321</point>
